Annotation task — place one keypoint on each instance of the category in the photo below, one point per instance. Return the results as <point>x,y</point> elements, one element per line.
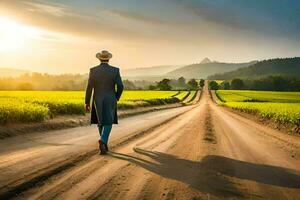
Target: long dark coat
<point>103,80</point>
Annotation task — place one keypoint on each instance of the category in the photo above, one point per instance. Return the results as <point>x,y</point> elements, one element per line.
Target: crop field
<point>258,96</point>
<point>36,106</point>
<point>190,97</point>
<point>183,95</point>
<point>282,107</point>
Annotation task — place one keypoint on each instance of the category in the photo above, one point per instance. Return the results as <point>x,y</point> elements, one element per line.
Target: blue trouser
<point>104,131</point>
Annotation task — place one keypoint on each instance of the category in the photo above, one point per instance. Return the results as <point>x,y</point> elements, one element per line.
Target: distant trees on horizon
<point>38,81</point>
<point>77,82</point>
<point>177,84</point>
<point>268,83</point>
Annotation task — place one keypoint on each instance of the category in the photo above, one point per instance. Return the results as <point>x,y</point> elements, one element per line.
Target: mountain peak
<point>205,61</point>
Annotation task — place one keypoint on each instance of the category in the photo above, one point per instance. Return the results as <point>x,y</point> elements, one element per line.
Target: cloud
<point>60,18</point>
<point>277,18</point>
<point>136,17</point>
<point>58,10</point>
<point>217,29</point>
<point>101,25</point>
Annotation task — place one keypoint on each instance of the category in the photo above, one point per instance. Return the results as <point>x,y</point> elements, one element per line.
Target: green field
<point>190,97</point>
<point>36,106</point>
<point>282,107</point>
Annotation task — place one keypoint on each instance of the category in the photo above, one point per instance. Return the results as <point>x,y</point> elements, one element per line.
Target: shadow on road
<point>210,175</point>
<point>266,174</point>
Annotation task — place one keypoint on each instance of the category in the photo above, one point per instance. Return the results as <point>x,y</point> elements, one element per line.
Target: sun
<point>14,36</point>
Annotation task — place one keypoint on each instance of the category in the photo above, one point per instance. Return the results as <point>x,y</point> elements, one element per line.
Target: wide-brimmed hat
<point>104,55</point>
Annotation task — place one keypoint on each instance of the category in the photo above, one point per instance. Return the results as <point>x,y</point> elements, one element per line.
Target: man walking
<point>103,80</point>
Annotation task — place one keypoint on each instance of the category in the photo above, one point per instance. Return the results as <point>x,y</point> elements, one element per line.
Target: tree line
<point>77,82</point>
<point>38,81</point>
<point>177,84</point>
<point>268,83</point>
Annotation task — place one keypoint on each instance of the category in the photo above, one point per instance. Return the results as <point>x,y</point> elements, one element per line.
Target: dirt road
<point>196,152</point>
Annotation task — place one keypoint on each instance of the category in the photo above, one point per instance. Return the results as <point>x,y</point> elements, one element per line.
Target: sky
<point>63,36</point>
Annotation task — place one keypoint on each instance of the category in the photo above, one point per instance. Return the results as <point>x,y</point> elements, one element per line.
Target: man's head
<point>104,56</point>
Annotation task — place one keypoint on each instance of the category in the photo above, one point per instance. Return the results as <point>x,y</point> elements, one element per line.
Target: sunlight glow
<point>14,36</point>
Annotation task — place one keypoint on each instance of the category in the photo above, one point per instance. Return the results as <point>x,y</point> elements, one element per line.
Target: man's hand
<point>87,107</point>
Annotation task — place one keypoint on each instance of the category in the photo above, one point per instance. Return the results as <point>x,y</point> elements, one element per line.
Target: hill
<point>9,72</point>
<point>149,71</point>
<point>202,70</point>
<point>205,61</point>
<point>278,66</point>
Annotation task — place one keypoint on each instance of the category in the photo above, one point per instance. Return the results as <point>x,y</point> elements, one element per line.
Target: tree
<point>25,86</point>
<point>192,84</point>
<point>279,83</point>
<point>213,85</point>
<point>164,84</point>
<point>225,85</point>
<point>181,82</point>
<point>152,87</point>
<point>237,84</point>
<point>129,85</point>
<point>202,82</point>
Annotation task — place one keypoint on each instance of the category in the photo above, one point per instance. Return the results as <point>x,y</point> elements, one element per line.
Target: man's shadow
<point>210,175</point>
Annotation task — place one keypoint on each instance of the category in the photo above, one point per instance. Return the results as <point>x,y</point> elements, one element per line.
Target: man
<point>103,79</point>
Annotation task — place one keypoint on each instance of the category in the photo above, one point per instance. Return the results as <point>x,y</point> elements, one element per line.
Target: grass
<point>21,111</point>
<point>36,106</point>
<point>282,107</point>
<point>191,97</point>
<point>183,95</point>
<point>258,96</point>
<point>132,99</point>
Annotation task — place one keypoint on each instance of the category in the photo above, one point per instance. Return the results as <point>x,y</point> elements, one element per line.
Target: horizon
<point>64,36</point>
<point>147,67</point>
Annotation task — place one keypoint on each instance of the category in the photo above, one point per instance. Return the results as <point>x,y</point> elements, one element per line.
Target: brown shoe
<point>102,148</point>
